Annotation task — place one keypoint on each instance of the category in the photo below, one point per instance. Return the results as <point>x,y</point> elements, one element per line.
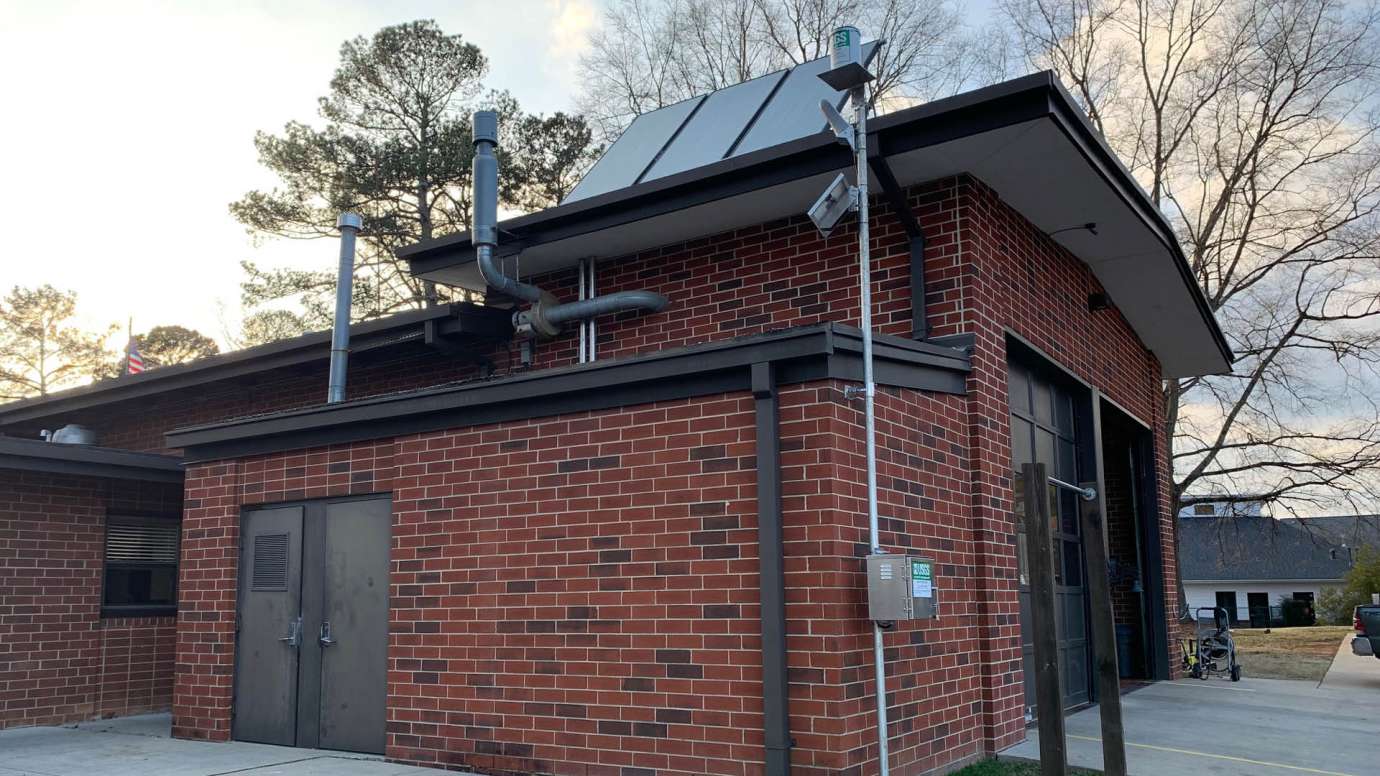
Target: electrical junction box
<point>900,587</point>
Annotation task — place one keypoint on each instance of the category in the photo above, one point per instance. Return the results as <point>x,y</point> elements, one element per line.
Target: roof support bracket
<point>896,198</point>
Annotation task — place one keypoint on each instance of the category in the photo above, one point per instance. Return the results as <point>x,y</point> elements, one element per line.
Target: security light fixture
<point>833,204</point>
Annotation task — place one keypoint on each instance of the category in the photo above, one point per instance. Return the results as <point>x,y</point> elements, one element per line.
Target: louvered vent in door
<point>270,562</point>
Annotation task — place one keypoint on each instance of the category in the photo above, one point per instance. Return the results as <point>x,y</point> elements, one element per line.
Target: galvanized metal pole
<point>349,225</point>
<point>859,98</point>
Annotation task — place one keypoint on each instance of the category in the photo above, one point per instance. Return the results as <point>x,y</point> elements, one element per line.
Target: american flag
<point>134,363</point>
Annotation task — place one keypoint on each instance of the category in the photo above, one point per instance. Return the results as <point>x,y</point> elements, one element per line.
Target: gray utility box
<point>900,587</point>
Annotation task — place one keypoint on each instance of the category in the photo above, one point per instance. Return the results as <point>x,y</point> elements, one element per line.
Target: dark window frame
<point>142,609</point>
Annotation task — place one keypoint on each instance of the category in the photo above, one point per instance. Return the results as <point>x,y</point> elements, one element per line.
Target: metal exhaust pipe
<point>546,315</point>
<point>349,225</point>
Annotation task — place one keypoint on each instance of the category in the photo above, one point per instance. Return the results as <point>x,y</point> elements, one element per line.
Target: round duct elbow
<point>545,318</point>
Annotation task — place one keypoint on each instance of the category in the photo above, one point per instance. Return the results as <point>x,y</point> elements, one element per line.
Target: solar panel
<point>713,129</point>
<point>766,111</point>
<point>624,162</point>
<point>794,110</point>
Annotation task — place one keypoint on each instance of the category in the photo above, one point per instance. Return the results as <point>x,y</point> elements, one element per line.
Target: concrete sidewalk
<point>1361,672</point>
<point>141,746</point>
<point>1255,727</point>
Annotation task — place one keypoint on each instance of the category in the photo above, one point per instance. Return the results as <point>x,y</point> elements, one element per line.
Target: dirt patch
<point>1288,653</point>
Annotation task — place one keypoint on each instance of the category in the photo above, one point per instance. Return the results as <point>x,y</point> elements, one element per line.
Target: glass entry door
<point>1043,430</point>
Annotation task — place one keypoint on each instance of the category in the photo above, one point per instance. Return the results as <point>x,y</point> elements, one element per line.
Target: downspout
<point>546,315</point>
<point>776,728</point>
<point>896,198</point>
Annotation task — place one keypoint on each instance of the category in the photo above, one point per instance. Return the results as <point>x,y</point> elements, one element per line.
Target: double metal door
<point>312,626</point>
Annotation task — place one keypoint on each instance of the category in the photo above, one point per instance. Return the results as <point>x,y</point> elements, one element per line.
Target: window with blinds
<point>140,566</point>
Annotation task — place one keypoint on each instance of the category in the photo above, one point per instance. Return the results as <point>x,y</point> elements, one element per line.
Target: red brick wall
<point>60,661</point>
<point>933,673</point>
<point>579,594</point>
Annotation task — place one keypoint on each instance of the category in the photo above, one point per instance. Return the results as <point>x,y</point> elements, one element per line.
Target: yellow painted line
<point>1229,758</point>
<point>1208,685</point>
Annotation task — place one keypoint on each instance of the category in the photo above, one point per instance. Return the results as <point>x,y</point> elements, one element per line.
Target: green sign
<point>841,38</point>
<point>921,581</point>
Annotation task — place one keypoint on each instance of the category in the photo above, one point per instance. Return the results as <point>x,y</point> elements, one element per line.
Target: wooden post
<point>1092,516</point>
<point>1049,698</point>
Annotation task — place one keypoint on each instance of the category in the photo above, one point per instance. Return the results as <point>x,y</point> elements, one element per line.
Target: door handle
<point>325,635</point>
<point>294,637</point>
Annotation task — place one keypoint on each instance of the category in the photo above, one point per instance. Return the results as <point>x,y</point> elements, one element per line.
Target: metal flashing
<point>822,351</point>
<point>85,460</point>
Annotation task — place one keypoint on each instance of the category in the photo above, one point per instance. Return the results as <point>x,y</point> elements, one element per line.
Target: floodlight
<point>832,205</point>
<point>842,129</point>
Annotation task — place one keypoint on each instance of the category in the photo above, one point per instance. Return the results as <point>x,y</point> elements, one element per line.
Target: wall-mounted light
<point>1091,227</point>
<point>1098,301</point>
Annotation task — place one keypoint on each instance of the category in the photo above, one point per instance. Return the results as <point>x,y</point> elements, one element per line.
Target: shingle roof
<point>1212,548</point>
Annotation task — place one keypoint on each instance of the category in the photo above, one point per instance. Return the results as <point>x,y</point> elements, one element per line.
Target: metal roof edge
<point>806,353</point>
<point>218,367</point>
<point>88,460</point>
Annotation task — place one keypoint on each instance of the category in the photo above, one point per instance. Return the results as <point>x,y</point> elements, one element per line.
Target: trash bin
<point>1124,636</point>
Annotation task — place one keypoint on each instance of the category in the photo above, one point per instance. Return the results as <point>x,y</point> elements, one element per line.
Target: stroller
<point>1212,649</point>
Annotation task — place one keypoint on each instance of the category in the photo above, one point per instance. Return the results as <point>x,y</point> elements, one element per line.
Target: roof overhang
<point>33,455</point>
<point>1025,138</point>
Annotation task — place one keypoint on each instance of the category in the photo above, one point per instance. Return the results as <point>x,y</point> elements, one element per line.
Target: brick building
<point>534,556</point>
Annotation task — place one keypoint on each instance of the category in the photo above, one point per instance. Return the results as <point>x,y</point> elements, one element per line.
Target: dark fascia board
<point>1039,95</point>
<point>307,348</point>
<point>817,352</point>
<point>56,458</point>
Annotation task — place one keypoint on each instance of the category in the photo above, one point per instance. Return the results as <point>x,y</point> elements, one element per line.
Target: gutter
<point>915,236</point>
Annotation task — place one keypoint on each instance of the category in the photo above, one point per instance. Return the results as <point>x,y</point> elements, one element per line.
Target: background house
<point>1247,564</point>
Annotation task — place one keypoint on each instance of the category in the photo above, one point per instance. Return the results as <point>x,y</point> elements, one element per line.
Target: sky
<point>128,129</point>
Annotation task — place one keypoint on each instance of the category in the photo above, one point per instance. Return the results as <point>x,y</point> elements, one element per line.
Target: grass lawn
<point>1288,653</point>
<point>994,768</point>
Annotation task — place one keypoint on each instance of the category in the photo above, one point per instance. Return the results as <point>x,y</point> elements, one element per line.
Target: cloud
<point>567,37</point>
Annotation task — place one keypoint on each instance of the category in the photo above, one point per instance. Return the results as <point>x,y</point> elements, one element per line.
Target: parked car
<point>1367,624</point>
